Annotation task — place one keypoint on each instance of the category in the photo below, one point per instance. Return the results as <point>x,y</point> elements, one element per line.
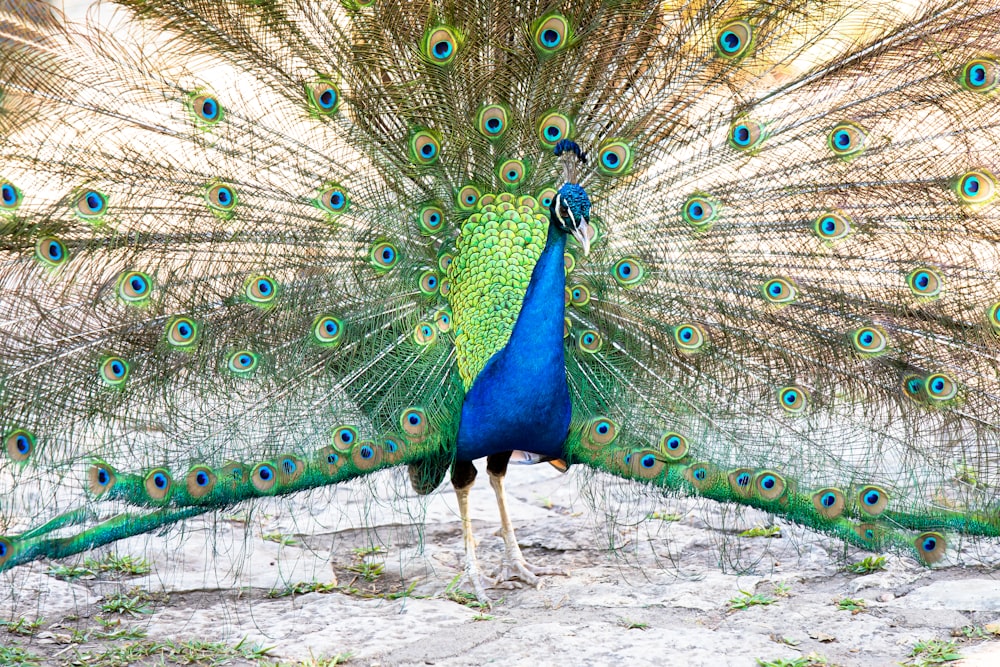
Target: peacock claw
<point>479,584</point>
<point>515,572</point>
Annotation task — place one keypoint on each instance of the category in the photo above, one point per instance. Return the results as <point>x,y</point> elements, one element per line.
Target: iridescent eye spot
<point>873,500</point>
<point>199,482</point>
<point>327,330</point>
<point>333,199</point>
<point>689,337</point>
<point>134,287</point>
<point>91,205</point>
<point>913,387</point>
<point>976,188</point>
<point>425,147</point>
<point>733,40</point>
<point>829,503</point>
<point>424,334</point>
<point>430,219</point>
<point>10,196</point>
<point>551,34</point>
<point>324,98</point>
<point>428,282</point>
<point>414,424</point>
<point>673,445</point>
<point>553,128</point>
<point>467,198</point>
<point>832,226</point>
<point>206,109</point>
<point>940,387</point>
<point>925,282</point>
<point>440,45</point>
<point>769,485</point>
<point>19,444</point>
<point>589,342</point>
<point>931,547</point>
<point>869,341</point>
<point>344,437</point>
<point>546,197</point>
<point>629,272</point>
<point>221,199</point>
<point>745,134</point>
<point>182,332</point>
<point>264,477</point>
<point>579,296</point>
<point>614,157</point>
<point>100,478</point>
<point>243,362</point>
<point>383,256</point>
<point>792,399</point>
<point>113,371</point>
<point>512,172</point>
<point>701,476</point>
<point>51,252</point>
<point>743,479</point>
<point>260,290</point>
<point>602,431</point>
<point>289,466</point>
<point>158,484</point>
<point>980,75</point>
<point>492,121</point>
<point>846,140</point>
<point>442,319</point>
<point>779,291</point>
<point>700,211</point>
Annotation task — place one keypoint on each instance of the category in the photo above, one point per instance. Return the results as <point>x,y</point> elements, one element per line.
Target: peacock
<point>743,250</point>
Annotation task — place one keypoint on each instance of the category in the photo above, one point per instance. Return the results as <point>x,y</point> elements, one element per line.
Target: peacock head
<point>570,213</point>
<point>570,209</point>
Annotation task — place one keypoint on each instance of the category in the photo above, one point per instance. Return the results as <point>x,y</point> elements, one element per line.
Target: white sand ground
<point>674,578</point>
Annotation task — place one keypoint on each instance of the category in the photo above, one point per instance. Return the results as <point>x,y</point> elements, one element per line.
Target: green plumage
<point>245,250</point>
<point>497,248</point>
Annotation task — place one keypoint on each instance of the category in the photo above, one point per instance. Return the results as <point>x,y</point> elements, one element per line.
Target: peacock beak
<point>581,234</point>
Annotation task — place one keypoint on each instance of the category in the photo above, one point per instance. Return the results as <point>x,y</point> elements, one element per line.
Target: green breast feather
<point>497,250</point>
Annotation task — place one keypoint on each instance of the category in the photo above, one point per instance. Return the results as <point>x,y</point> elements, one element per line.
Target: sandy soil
<point>639,590</point>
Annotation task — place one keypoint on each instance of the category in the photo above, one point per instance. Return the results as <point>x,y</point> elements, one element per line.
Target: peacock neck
<point>538,331</point>
<point>521,400</point>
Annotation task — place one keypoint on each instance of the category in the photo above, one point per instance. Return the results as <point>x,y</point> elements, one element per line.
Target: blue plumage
<point>521,400</point>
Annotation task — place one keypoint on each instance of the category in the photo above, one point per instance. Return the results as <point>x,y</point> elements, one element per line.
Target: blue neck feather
<point>520,400</point>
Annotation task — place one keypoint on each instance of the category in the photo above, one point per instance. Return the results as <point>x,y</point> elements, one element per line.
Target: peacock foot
<point>474,576</point>
<point>514,572</point>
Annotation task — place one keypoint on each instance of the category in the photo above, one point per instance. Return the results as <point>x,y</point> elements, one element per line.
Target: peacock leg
<point>463,475</point>
<point>513,568</point>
